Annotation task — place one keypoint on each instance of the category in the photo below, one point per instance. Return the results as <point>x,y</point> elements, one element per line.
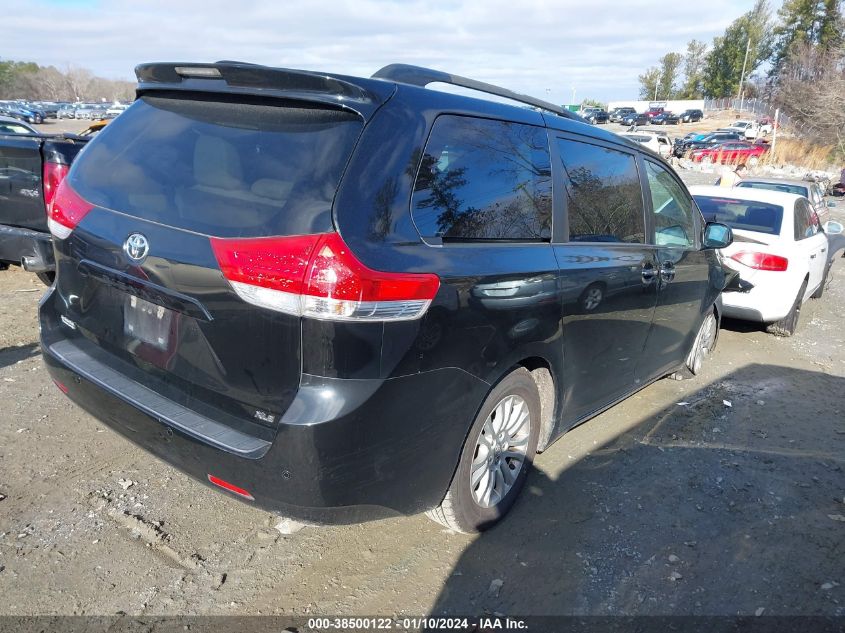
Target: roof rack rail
<point>419,76</point>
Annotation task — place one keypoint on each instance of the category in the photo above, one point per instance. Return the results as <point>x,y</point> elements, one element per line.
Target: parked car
<point>31,168</point>
<point>734,152</point>
<point>704,141</point>
<point>779,251</point>
<point>617,114</point>
<point>67,111</point>
<point>657,143</point>
<point>115,109</point>
<point>90,111</point>
<point>10,125</point>
<point>653,112</point>
<point>767,125</point>
<point>376,327</point>
<point>595,115</point>
<point>21,113</point>
<point>50,109</point>
<point>691,116</point>
<point>635,118</point>
<point>810,190</point>
<point>665,118</point>
<point>748,129</point>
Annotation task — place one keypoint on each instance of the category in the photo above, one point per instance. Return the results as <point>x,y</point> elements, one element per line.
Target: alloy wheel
<point>500,451</point>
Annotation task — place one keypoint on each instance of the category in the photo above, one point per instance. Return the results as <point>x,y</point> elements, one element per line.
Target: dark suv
<point>596,116</point>
<point>342,298</point>
<point>691,116</point>
<point>683,146</point>
<point>617,114</point>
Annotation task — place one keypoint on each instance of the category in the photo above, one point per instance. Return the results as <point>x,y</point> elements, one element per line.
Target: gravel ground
<point>719,495</point>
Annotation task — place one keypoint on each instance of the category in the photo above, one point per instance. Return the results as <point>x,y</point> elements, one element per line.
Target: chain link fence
<point>759,108</point>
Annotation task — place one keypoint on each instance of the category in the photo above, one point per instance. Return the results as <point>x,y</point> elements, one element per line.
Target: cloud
<point>538,47</point>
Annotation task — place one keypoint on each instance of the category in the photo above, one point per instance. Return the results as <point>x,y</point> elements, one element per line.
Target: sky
<point>545,49</point>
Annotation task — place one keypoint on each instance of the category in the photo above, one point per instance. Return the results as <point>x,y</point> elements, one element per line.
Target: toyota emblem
<point>136,247</point>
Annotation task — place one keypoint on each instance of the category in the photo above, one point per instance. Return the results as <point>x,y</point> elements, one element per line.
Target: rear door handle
<point>648,272</point>
<point>667,271</point>
<point>813,256</point>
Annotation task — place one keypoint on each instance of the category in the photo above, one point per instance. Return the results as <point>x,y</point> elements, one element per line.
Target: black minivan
<point>343,299</point>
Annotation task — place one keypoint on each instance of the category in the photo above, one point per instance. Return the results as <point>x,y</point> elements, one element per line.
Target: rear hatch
<point>178,186</point>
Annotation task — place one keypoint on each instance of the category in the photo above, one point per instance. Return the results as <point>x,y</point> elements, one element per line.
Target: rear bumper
<point>769,299</point>
<point>32,249</point>
<point>346,450</point>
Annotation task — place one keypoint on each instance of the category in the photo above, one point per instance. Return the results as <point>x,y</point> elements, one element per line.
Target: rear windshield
<point>228,169</point>
<point>798,190</point>
<point>747,215</point>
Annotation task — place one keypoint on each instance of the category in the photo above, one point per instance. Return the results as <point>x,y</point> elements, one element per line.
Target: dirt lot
<point>723,494</point>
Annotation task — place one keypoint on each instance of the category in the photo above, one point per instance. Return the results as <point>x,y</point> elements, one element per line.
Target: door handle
<point>813,256</point>
<point>649,273</point>
<point>667,271</point>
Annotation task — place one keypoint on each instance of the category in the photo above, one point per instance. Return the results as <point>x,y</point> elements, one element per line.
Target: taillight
<point>318,276</point>
<point>53,176</point>
<point>66,211</point>
<point>761,261</point>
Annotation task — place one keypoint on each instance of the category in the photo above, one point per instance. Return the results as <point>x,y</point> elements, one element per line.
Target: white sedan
<point>779,250</point>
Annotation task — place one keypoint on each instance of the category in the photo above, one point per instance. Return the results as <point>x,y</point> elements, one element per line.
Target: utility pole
<point>774,133</point>
<point>573,96</point>
<point>740,94</point>
<point>656,85</point>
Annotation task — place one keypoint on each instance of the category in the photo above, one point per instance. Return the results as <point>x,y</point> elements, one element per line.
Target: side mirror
<point>831,227</point>
<point>717,235</point>
<point>831,204</point>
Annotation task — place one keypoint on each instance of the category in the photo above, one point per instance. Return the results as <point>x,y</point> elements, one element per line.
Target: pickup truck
<point>31,168</point>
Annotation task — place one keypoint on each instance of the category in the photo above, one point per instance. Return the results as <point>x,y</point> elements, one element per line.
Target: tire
<point>592,297</point>
<point>820,290</point>
<point>788,324</point>
<point>47,278</point>
<point>468,508</point>
<point>705,342</point>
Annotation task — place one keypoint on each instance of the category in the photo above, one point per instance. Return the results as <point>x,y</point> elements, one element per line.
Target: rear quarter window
<point>484,180</point>
<point>220,167</point>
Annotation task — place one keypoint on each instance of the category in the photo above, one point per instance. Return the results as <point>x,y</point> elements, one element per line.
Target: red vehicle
<point>653,112</point>
<point>734,152</point>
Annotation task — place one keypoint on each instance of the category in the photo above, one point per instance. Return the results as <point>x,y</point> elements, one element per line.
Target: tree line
<point>794,60</point>
<point>804,32</point>
<point>28,80</point>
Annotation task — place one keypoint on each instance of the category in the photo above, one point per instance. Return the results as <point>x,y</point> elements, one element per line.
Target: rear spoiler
<point>361,96</point>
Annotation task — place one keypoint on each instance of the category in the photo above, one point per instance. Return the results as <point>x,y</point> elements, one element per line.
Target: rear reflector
<point>230,487</point>
<point>761,261</point>
<point>318,276</point>
<point>53,176</point>
<point>61,386</point>
<point>66,211</point>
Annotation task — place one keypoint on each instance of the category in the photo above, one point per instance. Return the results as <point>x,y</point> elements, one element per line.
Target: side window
<point>484,180</point>
<point>805,223</point>
<point>604,192</point>
<point>674,223</point>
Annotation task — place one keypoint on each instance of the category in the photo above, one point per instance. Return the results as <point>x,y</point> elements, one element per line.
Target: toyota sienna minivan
<point>342,299</point>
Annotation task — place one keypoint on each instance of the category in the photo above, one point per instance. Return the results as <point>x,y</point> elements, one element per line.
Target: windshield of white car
<point>746,215</point>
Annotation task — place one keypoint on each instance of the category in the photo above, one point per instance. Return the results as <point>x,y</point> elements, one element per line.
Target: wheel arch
<point>542,373</point>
